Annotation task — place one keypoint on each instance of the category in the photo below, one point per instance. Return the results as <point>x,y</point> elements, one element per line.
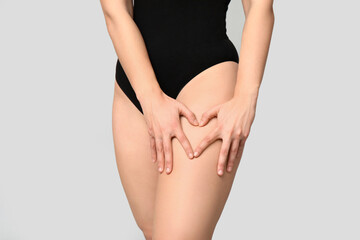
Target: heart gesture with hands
<point>234,120</point>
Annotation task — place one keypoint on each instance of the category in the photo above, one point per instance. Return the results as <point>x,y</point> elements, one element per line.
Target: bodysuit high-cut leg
<point>183,38</point>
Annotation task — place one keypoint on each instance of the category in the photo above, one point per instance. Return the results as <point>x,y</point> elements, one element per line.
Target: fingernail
<point>196,121</point>
<point>220,171</point>
<point>153,159</point>
<point>167,169</point>
<point>229,169</point>
<point>160,169</point>
<point>196,154</point>
<point>190,155</point>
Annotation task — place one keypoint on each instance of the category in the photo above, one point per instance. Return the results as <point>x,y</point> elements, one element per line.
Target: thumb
<point>209,114</point>
<point>186,112</point>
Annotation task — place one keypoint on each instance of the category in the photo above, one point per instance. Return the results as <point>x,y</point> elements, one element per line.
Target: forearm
<point>254,48</point>
<point>131,51</point>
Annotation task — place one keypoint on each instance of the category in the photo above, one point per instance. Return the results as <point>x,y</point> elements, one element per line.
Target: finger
<point>233,153</point>
<point>160,153</point>
<point>225,146</point>
<point>241,148</point>
<point>168,153</point>
<point>184,141</point>
<point>209,114</point>
<point>186,112</point>
<point>152,144</point>
<point>153,148</point>
<point>210,138</point>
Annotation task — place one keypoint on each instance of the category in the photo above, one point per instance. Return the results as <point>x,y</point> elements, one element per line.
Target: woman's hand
<point>162,115</point>
<point>234,120</point>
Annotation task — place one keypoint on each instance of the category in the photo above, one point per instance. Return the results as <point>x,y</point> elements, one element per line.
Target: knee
<point>181,233</point>
<point>147,231</point>
<point>148,235</point>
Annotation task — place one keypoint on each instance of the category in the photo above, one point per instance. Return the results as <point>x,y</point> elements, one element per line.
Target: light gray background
<point>299,176</point>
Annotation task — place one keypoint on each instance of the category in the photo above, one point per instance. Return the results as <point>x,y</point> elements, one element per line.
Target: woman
<point>178,76</point>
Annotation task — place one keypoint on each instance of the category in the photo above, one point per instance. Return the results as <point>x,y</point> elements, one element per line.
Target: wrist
<point>146,94</point>
<point>246,92</point>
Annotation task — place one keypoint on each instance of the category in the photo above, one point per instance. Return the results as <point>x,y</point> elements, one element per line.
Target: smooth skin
<point>162,113</point>
<point>236,116</point>
<point>187,203</point>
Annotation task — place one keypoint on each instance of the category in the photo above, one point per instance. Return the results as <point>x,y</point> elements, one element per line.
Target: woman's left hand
<point>234,120</point>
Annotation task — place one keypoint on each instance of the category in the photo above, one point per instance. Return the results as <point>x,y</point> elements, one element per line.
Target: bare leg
<point>190,200</point>
<point>132,149</point>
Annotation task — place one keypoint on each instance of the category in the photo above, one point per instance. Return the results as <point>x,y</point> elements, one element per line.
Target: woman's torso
<point>179,24</point>
<point>182,38</point>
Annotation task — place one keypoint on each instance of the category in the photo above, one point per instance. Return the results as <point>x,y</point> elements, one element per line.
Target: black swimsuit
<point>183,38</point>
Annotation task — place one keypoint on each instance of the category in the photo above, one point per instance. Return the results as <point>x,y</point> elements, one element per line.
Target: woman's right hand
<point>162,115</point>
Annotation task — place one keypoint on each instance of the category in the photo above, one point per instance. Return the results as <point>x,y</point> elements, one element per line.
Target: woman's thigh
<point>190,200</point>
<point>137,172</point>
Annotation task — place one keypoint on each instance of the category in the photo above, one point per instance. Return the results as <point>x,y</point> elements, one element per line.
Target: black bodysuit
<point>183,38</point>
